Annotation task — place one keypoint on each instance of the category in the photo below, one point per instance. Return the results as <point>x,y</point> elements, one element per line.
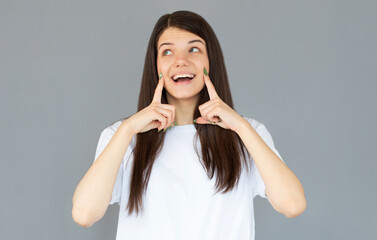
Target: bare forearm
<point>92,195</point>
<point>283,188</point>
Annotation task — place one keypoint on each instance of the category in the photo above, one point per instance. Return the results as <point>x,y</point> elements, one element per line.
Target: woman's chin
<point>177,96</point>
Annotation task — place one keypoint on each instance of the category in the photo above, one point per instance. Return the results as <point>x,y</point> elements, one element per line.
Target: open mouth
<point>186,79</point>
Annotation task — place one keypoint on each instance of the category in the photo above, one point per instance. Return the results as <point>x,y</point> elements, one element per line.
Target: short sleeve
<point>258,186</point>
<point>104,139</point>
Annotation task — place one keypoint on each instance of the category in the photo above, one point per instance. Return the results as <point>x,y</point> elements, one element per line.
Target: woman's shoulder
<point>110,129</point>
<point>114,126</point>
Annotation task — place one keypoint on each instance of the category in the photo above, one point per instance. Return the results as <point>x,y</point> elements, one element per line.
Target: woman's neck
<point>184,110</point>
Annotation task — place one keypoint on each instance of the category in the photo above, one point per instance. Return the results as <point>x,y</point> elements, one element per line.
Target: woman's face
<point>180,51</point>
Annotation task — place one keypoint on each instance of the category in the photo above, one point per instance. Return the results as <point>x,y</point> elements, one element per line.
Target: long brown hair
<point>221,148</point>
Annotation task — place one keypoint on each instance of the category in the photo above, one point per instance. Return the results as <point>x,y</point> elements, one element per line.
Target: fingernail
<point>175,123</point>
<point>194,120</point>
<point>205,71</point>
<point>159,130</point>
<point>160,76</point>
<point>171,125</point>
<point>165,129</point>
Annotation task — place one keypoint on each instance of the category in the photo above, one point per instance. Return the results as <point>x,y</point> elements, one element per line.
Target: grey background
<point>306,69</point>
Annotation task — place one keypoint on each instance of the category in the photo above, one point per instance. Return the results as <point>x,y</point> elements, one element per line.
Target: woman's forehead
<point>173,34</point>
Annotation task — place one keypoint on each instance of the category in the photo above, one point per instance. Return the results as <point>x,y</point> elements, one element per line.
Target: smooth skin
<point>176,52</point>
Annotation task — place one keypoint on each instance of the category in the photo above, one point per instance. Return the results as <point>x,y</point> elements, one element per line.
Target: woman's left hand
<point>216,112</point>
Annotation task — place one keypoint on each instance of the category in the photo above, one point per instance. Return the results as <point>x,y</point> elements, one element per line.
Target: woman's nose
<point>181,60</point>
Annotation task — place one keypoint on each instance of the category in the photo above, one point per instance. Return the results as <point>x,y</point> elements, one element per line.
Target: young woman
<point>166,164</point>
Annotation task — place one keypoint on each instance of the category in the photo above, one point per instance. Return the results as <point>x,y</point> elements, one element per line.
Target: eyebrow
<point>192,41</point>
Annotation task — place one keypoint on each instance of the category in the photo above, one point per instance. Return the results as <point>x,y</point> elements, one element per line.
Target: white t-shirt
<point>179,203</point>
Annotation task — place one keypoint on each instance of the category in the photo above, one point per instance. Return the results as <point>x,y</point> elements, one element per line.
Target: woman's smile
<point>183,78</point>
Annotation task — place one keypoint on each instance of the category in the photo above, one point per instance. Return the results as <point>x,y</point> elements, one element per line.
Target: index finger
<point>211,89</point>
<point>158,91</point>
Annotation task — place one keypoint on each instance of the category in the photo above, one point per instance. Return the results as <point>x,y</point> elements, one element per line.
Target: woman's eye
<point>195,48</point>
<point>163,53</point>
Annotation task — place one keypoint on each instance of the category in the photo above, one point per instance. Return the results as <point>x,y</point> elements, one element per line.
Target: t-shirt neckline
<point>187,127</point>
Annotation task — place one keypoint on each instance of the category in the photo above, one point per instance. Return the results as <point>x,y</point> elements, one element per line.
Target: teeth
<point>183,76</point>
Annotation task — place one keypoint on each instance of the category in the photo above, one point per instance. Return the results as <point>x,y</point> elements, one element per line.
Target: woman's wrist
<point>126,129</point>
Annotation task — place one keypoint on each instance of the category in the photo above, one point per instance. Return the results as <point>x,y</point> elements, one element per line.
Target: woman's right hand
<point>156,115</point>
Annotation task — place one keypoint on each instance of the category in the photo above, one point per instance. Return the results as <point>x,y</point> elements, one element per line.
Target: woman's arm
<point>93,194</point>
<point>283,188</point>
